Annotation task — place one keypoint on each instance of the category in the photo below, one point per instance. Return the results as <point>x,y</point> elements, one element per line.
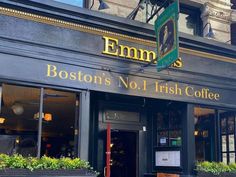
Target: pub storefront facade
<point>93,74</point>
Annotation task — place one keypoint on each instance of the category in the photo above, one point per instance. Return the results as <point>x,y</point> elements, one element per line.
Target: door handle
<point>104,171</point>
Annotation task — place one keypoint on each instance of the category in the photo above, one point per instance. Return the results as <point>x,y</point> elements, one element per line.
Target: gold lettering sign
<point>113,48</point>
<point>142,85</point>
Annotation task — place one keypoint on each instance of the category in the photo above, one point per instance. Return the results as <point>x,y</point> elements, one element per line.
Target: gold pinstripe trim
<point>92,30</point>
<point>69,25</point>
<point>208,55</point>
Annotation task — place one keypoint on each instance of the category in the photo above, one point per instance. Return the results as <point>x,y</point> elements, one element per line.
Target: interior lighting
<point>111,145</point>
<point>17,140</point>
<point>2,120</point>
<point>46,117</point>
<point>17,108</point>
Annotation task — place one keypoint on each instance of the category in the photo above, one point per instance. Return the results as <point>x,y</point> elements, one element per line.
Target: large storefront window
<point>205,142</point>
<point>20,112</point>
<point>227,134</point>
<point>58,124</point>
<point>19,128</point>
<point>215,135</point>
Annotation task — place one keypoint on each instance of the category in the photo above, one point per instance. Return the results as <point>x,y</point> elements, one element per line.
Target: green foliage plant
<point>32,163</point>
<point>216,168</point>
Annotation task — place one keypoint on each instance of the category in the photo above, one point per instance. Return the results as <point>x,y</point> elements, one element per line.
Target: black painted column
<point>218,137</point>
<point>84,121</point>
<point>0,98</point>
<point>188,153</point>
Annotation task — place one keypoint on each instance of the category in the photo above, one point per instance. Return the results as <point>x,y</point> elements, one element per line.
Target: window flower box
<point>19,166</point>
<point>214,169</point>
<point>46,173</point>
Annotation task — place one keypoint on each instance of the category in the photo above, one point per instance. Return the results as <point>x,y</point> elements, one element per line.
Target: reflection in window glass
<point>175,119</point>
<point>162,121</point>
<point>78,3</point>
<point>18,133</point>
<point>223,125</point>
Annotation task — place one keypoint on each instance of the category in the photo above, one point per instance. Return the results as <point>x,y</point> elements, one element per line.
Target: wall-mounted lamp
<point>210,33</point>
<point>102,5</point>
<point>133,14</point>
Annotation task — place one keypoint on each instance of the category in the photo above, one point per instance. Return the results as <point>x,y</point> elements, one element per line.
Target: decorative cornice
<point>210,10</point>
<point>92,30</point>
<point>221,2</point>
<point>233,16</point>
<point>69,25</point>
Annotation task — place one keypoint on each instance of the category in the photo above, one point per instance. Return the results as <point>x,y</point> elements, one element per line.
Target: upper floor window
<point>79,3</point>
<point>189,20</point>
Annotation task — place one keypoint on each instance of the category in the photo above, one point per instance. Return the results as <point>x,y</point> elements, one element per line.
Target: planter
<point>46,173</point>
<point>206,174</point>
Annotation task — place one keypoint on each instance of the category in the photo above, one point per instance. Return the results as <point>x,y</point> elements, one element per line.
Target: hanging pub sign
<point>166,29</point>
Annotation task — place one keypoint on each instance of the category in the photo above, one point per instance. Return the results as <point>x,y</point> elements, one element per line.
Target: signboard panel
<point>166,29</point>
<point>167,158</point>
<point>78,77</point>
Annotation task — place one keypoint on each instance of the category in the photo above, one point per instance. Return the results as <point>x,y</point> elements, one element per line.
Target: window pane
<point>204,119</point>
<point>18,132</point>
<point>232,158</point>
<point>58,127</point>
<point>175,119</point>
<point>231,143</point>
<point>78,3</point>
<point>223,125</point>
<point>224,158</point>
<point>231,124</point>
<point>162,121</point>
<point>224,145</point>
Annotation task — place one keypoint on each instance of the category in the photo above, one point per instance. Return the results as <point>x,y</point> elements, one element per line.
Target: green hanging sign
<point>166,29</point>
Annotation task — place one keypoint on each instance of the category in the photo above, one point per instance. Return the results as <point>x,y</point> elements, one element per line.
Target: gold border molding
<point>92,30</point>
